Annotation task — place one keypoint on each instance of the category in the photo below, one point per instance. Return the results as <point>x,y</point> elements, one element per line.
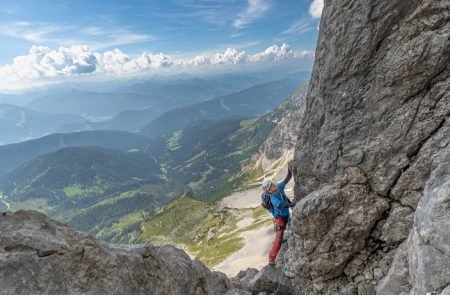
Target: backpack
<point>266,202</point>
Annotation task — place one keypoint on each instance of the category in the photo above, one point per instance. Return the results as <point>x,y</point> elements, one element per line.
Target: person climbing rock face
<point>275,201</point>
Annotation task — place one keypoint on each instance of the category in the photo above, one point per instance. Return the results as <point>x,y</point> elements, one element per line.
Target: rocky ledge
<point>41,256</point>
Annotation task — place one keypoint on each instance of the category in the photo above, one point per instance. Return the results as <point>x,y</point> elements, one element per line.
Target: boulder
<point>41,256</point>
<point>270,280</point>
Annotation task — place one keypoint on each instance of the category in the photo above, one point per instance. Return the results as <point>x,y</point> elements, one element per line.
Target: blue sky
<point>61,31</point>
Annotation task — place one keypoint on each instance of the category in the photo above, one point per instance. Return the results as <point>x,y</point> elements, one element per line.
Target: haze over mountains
<point>13,155</point>
<point>125,105</point>
<point>141,160</point>
<point>20,124</point>
<point>251,102</point>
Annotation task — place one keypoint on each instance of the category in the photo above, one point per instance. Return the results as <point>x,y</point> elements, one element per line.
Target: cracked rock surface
<point>375,130</point>
<point>41,256</point>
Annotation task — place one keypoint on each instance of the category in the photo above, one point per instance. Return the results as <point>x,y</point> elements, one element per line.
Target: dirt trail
<point>257,242</point>
<point>254,254</point>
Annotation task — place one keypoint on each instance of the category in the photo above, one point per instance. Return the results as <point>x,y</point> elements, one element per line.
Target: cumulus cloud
<point>273,53</point>
<point>44,63</point>
<point>255,9</point>
<point>315,9</point>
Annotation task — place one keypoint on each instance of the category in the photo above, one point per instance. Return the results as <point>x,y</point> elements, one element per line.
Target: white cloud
<point>315,9</point>
<point>104,36</point>
<point>23,30</point>
<point>45,64</point>
<point>93,31</point>
<point>230,56</point>
<point>115,36</point>
<point>214,12</point>
<point>255,10</point>
<point>299,27</point>
<point>274,53</point>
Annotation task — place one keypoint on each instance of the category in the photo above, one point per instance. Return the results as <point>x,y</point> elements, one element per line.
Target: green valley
<point>205,230</point>
<point>128,188</point>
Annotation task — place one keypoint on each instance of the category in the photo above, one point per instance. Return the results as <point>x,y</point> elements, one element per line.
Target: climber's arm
<point>289,204</point>
<point>288,177</point>
<point>289,174</point>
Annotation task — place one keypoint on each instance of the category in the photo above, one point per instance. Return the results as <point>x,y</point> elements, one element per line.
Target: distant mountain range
<point>94,104</point>
<point>89,188</point>
<point>9,99</point>
<point>129,120</point>
<point>160,96</point>
<point>96,180</point>
<point>154,124</point>
<point>14,155</point>
<point>248,103</point>
<point>83,167</point>
<point>184,91</point>
<point>126,105</point>
<point>20,124</point>
<point>206,154</point>
<point>96,189</point>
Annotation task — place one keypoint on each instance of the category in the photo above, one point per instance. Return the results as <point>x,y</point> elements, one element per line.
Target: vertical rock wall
<point>277,150</point>
<point>376,127</point>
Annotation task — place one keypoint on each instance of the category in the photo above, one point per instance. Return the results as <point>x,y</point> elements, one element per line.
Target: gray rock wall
<point>422,262</point>
<point>429,240</point>
<point>41,256</point>
<point>375,129</point>
<point>281,141</point>
<point>278,149</point>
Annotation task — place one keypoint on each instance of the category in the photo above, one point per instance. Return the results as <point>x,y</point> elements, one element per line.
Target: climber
<point>275,201</point>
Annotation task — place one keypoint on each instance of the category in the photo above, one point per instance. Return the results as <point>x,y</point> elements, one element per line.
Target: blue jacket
<point>278,200</point>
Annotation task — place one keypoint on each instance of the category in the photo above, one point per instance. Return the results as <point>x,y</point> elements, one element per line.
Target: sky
<point>47,40</point>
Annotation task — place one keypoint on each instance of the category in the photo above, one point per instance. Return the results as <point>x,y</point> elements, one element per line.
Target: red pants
<point>280,225</point>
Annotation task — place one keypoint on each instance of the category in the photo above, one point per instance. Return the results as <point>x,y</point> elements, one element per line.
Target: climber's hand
<point>290,164</point>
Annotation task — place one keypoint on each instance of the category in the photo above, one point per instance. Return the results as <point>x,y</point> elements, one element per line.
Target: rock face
<point>421,263</point>
<point>282,139</point>
<point>273,155</point>
<point>370,162</point>
<point>40,256</point>
<point>269,280</point>
<point>429,240</point>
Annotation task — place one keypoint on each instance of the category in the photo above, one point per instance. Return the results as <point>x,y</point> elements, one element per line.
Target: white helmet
<point>266,184</point>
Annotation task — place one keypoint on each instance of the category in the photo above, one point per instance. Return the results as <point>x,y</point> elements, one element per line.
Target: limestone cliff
<point>272,157</point>
<point>280,143</point>
<point>371,160</point>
